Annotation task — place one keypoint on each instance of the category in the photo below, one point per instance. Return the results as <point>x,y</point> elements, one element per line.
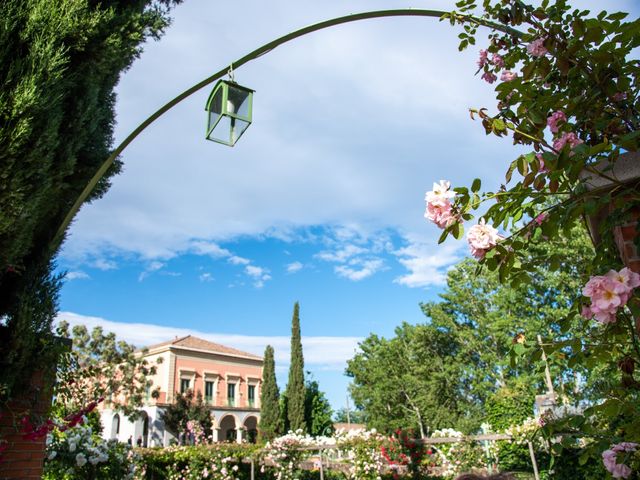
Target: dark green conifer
<point>295,386</point>
<point>270,424</point>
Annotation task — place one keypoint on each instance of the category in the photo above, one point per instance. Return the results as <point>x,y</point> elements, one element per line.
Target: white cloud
<point>320,353</point>
<point>258,274</point>
<point>235,260</point>
<point>294,267</point>
<point>152,267</point>
<point>201,247</point>
<point>427,264</point>
<point>77,275</point>
<point>103,264</point>
<point>360,270</point>
<point>343,254</point>
<point>205,277</point>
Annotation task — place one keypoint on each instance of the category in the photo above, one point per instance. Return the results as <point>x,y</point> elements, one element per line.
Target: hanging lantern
<point>229,110</point>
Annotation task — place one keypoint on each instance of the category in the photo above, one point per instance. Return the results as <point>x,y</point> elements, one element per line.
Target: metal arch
<point>258,52</point>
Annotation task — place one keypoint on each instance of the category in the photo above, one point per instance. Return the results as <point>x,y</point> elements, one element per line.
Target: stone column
<point>216,435</point>
<point>239,433</point>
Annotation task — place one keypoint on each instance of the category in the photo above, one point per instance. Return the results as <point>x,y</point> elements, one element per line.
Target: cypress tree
<point>295,386</point>
<point>270,425</point>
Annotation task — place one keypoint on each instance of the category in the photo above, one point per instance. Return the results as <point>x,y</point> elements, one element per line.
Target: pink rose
<point>482,238</point>
<point>569,138</point>
<point>441,215</point>
<point>508,76</point>
<point>497,60</point>
<point>554,119</point>
<point>482,60</point>
<point>537,48</point>
<point>610,459</point>
<point>543,168</point>
<point>489,77</point>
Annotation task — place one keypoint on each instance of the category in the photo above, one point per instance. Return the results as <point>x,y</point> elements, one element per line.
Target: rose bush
<point>568,92</point>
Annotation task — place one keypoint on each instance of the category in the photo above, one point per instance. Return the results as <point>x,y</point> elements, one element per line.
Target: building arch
<point>228,427</point>
<point>115,427</point>
<point>250,426</point>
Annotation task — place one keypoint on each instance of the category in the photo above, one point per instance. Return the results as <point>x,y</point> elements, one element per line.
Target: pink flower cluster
<point>482,238</point>
<point>566,138</point>
<point>554,119</point>
<point>610,459</point>
<point>537,48</point>
<point>498,61</point>
<point>608,293</point>
<point>439,205</point>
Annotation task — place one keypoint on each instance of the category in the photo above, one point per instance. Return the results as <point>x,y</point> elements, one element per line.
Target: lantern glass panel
<point>238,101</point>
<point>228,130</point>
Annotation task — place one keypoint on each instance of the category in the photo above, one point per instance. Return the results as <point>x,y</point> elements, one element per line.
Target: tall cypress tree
<point>270,425</point>
<point>295,386</point>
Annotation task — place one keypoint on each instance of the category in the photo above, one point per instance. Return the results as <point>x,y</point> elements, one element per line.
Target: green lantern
<point>229,110</point>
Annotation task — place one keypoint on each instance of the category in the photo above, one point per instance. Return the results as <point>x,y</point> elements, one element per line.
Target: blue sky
<point>320,202</point>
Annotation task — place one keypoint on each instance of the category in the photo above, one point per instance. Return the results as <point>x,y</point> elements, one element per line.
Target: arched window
<point>115,426</point>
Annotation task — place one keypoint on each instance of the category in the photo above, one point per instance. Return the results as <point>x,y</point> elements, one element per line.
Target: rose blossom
<point>610,459</point>
<point>439,204</point>
<point>554,119</point>
<point>566,138</point>
<point>482,238</point>
<point>81,459</point>
<point>482,60</point>
<point>440,194</point>
<point>508,76</point>
<point>497,60</point>
<point>537,48</point>
<point>489,77</point>
<point>608,293</point>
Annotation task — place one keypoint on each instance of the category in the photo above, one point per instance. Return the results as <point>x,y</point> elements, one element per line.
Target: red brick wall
<point>24,459</point>
<point>624,236</point>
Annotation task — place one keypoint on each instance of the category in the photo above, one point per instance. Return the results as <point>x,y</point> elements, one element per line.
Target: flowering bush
<point>458,457</point>
<point>286,454</point>
<point>79,454</point>
<point>568,94</point>
<point>363,451</point>
<point>403,449</point>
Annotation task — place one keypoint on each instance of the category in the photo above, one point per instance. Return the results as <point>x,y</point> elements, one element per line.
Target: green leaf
<point>475,186</point>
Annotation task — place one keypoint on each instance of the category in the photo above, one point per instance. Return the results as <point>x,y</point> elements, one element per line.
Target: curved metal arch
<point>258,52</point>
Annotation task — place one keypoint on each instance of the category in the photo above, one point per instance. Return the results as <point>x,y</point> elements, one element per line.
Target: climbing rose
<point>482,238</point>
<point>482,60</point>
<point>489,77</point>
<point>440,194</point>
<point>610,459</point>
<point>536,48</point>
<point>543,168</point>
<point>439,205</point>
<point>566,138</point>
<point>81,460</point>
<point>608,293</point>
<point>554,119</point>
<point>508,76</point>
<point>497,60</point>
<point>441,215</point>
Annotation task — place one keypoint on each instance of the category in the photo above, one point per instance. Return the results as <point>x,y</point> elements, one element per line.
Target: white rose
<point>52,455</point>
<point>81,459</point>
<point>72,447</point>
<point>94,460</point>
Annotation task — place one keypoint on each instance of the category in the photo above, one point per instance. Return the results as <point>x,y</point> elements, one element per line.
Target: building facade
<point>228,379</point>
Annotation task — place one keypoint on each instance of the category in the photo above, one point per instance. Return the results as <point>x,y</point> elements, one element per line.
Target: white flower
<point>94,460</point>
<point>72,446</point>
<point>81,459</point>
<point>440,194</point>
<point>52,455</point>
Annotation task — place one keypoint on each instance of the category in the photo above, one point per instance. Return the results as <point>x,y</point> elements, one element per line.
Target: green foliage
<point>270,424</point>
<point>317,410</point>
<point>187,407</point>
<point>413,380</point>
<point>354,416</point>
<point>295,386</point>
<point>99,366</point>
<point>59,64</point>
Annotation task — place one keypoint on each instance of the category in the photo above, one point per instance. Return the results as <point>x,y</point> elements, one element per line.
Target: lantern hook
<point>230,73</point>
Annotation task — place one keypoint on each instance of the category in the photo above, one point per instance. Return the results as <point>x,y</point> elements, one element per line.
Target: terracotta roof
<point>201,344</point>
